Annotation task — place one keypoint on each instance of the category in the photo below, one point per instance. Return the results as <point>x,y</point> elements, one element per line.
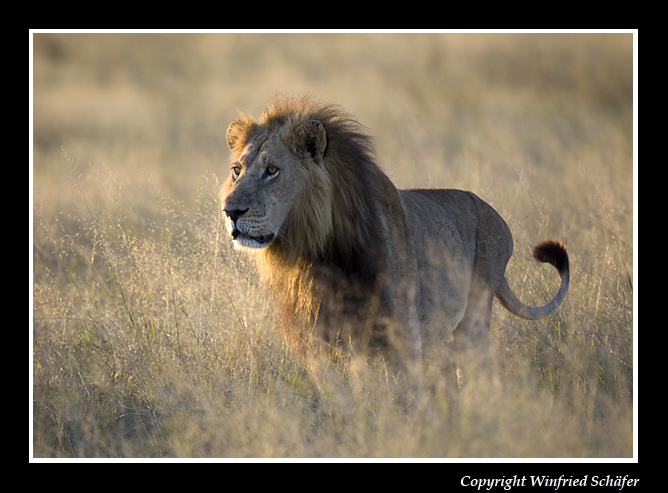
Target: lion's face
<point>259,196</point>
<point>279,187</point>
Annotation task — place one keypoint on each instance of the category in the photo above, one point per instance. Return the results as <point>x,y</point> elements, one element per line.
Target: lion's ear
<point>233,133</point>
<point>309,137</point>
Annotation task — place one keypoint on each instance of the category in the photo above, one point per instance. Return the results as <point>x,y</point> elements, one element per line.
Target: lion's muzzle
<point>243,237</point>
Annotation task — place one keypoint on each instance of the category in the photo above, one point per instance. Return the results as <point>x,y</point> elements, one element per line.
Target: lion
<point>359,267</point>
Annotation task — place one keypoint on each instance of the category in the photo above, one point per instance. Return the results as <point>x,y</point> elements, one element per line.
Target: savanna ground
<point>152,337</point>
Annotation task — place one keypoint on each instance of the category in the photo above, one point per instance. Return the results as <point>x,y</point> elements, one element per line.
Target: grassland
<point>152,338</point>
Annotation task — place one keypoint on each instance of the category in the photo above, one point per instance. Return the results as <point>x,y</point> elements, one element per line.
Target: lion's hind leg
<point>471,337</point>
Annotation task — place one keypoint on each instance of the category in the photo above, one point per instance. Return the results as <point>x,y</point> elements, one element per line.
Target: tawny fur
<point>355,263</point>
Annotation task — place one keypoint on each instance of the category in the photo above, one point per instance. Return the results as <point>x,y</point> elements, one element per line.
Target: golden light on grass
<point>153,337</point>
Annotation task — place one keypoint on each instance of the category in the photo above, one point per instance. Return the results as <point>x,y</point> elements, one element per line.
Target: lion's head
<point>294,181</point>
<point>277,174</point>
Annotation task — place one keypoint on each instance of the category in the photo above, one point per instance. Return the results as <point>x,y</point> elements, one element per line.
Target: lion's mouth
<point>252,241</point>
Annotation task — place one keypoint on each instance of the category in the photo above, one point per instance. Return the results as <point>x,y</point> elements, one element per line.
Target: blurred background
<point>463,111</point>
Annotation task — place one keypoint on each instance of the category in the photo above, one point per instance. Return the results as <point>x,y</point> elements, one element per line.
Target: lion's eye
<point>236,170</point>
<point>272,170</point>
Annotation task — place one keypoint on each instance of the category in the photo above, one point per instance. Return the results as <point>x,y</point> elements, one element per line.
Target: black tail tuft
<point>552,252</point>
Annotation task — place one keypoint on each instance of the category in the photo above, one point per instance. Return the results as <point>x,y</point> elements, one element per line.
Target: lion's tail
<point>552,252</point>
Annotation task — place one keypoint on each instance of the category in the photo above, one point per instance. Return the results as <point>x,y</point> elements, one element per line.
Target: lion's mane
<point>327,263</point>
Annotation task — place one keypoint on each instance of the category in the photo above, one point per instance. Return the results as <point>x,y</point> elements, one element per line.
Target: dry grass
<point>152,337</point>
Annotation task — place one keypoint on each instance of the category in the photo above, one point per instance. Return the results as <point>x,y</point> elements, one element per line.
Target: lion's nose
<point>235,213</point>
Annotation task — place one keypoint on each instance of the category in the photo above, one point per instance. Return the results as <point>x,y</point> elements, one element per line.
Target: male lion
<point>357,264</point>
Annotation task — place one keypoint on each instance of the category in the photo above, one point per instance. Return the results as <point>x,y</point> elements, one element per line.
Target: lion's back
<point>441,216</point>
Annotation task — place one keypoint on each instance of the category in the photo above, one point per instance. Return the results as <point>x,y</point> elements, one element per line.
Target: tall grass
<point>152,337</point>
